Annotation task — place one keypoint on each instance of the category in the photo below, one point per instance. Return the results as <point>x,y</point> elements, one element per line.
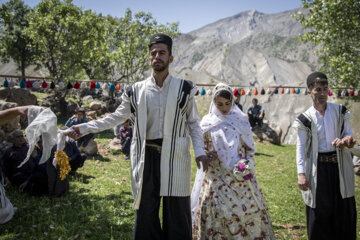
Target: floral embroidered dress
<point>227,202</point>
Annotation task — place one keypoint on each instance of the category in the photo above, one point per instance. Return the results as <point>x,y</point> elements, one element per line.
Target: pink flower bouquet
<point>242,170</point>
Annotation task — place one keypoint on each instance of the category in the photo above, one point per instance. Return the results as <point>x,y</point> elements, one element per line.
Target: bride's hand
<point>212,155</point>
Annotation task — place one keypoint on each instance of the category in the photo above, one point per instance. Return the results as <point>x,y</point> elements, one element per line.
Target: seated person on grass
<point>255,113</point>
<point>79,118</point>
<point>31,177</point>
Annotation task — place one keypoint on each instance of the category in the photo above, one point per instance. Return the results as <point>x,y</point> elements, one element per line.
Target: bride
<point>226,201</point>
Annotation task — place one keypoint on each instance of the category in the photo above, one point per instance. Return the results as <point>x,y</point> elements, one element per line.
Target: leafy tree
<point>335,26</point>
<point>54,29</point>
<point>14,44</point>
<point>129,41</point>
<point>93,46</point>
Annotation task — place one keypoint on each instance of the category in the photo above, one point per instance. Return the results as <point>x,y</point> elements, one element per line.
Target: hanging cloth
<point>92,85</point>
<point>36,84</point>
<point>118,86</point>
<point>6,83</point>
<point>306,91</point>
<point>268,91</point>
<point>77,85</point>
<point>282,91</point>
<point>256,92</point>
<point>330,93</point>
<point>297,91</point>
<point>69,85</point>
<point>357,93</point>
<point>236,92</point>
<point>61,85</point>
<point>339,93</point>
<point>276,91</point>
<point>262,92</point>
<point>22,83</point>
<point>293,91</point>
<point>97,85</point>
<point>352,93</point>
<point>29,84</point>
<point>52,85</point>
<point>249,92</point>
<point>83,85</point>
<point>44,84</point>
<point>11,83</point>
<point>202,92</point>
<point>242,92</point>
<point>346,93</point>
<point>288,91</point>
<point>112,86</point>
<point>209,92</point>
<point>105,86</point>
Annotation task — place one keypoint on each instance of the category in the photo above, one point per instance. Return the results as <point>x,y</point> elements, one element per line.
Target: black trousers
<point>333,217</point>
<point>255,120</point>
<point>125,145</point>
<point>176,210</point>
<point>77,162</point>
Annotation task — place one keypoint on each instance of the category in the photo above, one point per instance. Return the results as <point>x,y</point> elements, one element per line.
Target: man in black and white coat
<point>324,165</point>
<point>164,116</point>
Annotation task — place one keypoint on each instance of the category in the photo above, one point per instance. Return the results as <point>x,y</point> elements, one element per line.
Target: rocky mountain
<point>248,49</point>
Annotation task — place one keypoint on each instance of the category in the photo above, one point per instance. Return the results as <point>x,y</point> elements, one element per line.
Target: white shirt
<point>325,126</point>
<point>156,98</point>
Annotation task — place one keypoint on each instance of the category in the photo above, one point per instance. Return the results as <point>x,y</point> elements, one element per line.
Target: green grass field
<point>99,204</point>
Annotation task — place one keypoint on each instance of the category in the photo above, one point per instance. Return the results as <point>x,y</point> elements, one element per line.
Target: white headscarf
<point>226,132</point>
<point>41,123</point>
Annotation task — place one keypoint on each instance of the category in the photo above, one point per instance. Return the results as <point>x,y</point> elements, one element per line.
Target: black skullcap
<point>161,38</point>
<point>315,76</point>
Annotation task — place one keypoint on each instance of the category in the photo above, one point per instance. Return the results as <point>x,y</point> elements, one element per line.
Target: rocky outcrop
<point>20,96</point>
<point>269,132</point>
<point>91,148</point>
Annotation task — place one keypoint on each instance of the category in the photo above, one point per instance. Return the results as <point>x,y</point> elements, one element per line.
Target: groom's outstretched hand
<point>75,134</point>
<point>205,162</point>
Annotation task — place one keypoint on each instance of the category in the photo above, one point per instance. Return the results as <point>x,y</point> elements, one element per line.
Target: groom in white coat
<point>164,116</point>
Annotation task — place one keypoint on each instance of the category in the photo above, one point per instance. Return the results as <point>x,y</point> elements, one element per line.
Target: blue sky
<point>191,14</point>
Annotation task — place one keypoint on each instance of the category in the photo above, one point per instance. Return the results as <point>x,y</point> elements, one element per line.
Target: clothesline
<point>197,84</point>
<point>50,78</point>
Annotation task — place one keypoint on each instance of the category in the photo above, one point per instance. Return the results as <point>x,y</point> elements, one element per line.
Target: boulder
<point>6,105</point>
<point>95,106</point>
<point>115,144</point>
<point>268,132</point>
<point>87,98</point>
<point>20,96</point>
<point>90,149</point>
<point>13,124</point>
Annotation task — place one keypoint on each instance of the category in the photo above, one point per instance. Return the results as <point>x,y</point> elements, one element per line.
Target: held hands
<point>75,133</point>
<point>211,155</point>
<point>347,141</point>
<point>303,182</point>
